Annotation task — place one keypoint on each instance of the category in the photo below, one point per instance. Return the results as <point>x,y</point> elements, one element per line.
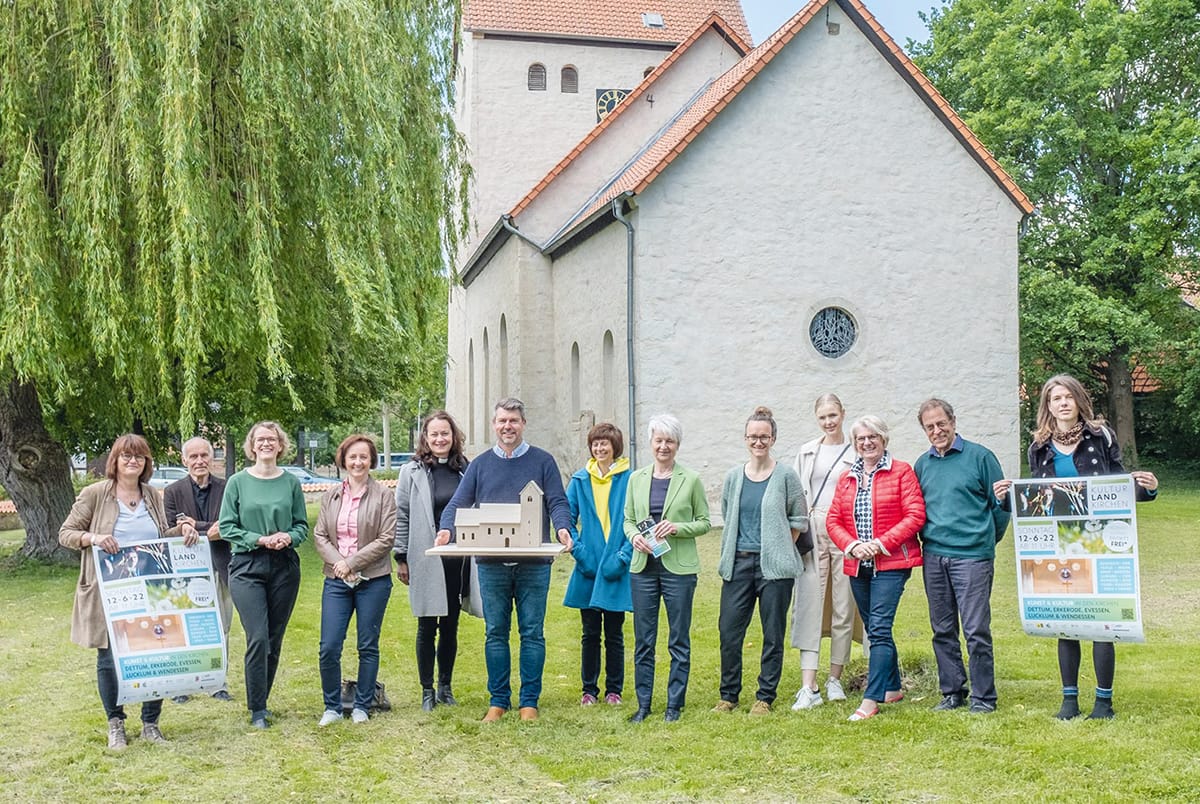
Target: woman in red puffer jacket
<point>874,518</point>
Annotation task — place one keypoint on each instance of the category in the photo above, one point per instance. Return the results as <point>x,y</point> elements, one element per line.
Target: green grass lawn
<point>53,730</point>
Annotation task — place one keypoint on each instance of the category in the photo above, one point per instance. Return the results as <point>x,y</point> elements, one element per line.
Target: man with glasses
<point>963,524</point>
<point>497,476</point>
<point>196,500</point>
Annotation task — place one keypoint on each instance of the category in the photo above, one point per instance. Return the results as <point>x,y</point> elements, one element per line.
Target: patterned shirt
<point>864,524</point>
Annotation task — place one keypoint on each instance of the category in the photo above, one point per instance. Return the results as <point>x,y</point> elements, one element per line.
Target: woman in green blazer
<point>665,509</point>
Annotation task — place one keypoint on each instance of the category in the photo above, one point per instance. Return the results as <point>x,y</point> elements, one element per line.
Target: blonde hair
<point>285,445</point>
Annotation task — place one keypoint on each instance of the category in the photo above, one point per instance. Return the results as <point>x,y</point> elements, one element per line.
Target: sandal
<point>859,714</point>
<point>896,699</point>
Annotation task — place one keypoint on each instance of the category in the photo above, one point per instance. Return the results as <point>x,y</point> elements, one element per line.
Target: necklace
<point>1069,437</point>
<point>130,500</point>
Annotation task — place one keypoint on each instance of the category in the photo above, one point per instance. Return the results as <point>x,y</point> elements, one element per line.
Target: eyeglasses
<point>129,457</point>
<point>266,440</point>
<point>867,439</point>
<point>759,439</point>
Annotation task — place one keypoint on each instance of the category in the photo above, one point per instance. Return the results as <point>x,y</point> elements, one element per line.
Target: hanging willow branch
<point>243,190</point>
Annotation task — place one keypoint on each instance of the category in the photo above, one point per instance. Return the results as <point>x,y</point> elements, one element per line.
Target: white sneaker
<point>833,690</point>
<point>359,715</point>
<point>329,718</point>
<point>806,699</point>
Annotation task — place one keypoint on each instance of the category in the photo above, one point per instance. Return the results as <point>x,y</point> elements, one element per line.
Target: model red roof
<point>601,19</point>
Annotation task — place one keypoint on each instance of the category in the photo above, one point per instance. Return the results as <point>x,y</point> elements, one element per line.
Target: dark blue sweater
<point>492,479</point>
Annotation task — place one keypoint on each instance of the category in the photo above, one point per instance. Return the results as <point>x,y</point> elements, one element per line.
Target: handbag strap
<point>828,472</point>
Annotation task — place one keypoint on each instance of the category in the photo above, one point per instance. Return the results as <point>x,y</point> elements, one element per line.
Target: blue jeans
<point>878,596</point>
<point>338,602</point>
<point>961,588</point>
<point>653,584</point>
<point>501,586</point>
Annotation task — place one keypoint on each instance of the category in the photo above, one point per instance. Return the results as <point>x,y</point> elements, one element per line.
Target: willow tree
<point>1095,106</point>
<point>207,204</point>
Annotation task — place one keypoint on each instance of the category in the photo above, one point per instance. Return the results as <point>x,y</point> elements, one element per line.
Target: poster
<point>164,626</point>
<point>1077,558</point>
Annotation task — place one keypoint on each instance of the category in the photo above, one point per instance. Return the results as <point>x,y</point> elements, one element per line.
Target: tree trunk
<point>1119,380</point>
<point>36,472</point>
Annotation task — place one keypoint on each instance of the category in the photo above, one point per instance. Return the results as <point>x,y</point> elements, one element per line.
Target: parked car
<point>398,459</point>
<point>166,475</point>
<point>305,476</point>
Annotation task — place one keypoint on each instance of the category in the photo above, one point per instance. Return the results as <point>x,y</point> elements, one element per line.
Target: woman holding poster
<point>1071,441</point>
<point>109,515</point>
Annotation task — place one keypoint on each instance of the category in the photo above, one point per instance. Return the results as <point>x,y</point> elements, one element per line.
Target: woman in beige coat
<point>119,511</point>
<point>822,593</point>
<point>353,535</point>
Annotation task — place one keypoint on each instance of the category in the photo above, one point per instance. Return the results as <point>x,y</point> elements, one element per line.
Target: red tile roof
<point>656,158</point>
<point>714,22</point>
<point>600,19</point>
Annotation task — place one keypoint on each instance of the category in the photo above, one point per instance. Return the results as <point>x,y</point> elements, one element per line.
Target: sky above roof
<point>898,17</point>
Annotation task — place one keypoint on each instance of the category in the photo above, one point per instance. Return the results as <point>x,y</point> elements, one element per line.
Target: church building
<point>670,219</point>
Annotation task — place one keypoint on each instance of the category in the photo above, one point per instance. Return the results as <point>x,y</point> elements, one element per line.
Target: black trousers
<point>738,596</point>
<point>438,636</point>
<point>612,623</point>
<point>264,584</point>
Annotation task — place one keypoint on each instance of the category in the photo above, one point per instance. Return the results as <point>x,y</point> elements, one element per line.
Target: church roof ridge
<point>714,21</point>
<point>676,139</point>
<point>616,20</point>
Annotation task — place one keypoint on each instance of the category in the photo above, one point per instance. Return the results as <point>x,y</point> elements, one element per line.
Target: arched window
<point>537,78</point>
<point>647,71</point>
<point>503,357</point>
<point>570,79</point>
<point>471,392</point>
<point>610,393</point>
<point>487,374</point>
<point>575,406</point>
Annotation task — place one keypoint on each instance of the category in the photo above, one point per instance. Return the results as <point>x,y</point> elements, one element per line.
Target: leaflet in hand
<point>658,547</point>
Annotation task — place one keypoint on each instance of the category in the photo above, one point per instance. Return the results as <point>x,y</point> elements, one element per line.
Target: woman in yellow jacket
<point>665,510</point>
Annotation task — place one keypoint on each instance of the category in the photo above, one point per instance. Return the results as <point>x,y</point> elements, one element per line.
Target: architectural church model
<point>503,524</point>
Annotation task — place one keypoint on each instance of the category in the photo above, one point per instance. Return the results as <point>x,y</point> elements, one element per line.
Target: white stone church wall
<point>826,182</point>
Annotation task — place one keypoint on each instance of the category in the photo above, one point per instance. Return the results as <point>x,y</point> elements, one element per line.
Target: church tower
<point>533,77</point>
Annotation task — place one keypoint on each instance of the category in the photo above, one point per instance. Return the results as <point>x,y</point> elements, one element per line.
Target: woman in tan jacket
<point>108,516</point>
<point>353,534</point>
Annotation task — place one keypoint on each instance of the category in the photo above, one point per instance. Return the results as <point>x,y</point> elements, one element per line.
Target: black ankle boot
<point>1070,708</point>
<point>445,696</point>
<point>428,700</point>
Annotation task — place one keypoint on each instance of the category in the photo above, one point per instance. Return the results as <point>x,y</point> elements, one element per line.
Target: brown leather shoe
<point>494,713</point>
<point>529,713</point>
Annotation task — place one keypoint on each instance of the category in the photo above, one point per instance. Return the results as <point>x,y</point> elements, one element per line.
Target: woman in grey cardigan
<point>761,544</point>
<point>437,587</point>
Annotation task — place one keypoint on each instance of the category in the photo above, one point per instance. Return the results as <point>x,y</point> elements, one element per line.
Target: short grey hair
<point>666,424</point>
<point>872,424</point>
<point>931,404</point>
<point>510,404</point>
<point>197,440</point>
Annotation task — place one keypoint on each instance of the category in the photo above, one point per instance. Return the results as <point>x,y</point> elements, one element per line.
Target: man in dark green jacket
<point>963,524</point>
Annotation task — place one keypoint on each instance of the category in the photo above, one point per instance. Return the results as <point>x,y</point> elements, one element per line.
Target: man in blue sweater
<point>963,523</point>
<point>497,476</point>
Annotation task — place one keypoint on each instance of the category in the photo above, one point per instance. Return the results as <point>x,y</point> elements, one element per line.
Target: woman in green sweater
<point>761,544</point>
<point>263,519</point>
